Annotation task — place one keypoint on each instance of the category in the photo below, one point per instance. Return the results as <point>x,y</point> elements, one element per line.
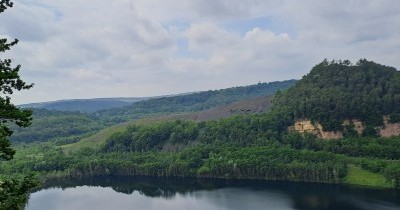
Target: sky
<point>131,48</point>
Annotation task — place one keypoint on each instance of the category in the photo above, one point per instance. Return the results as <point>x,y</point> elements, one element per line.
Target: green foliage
<point>335,91</point>
<point>392,171</point>
<point>56,125</point>
<point>4,4</point>
<point>152,137</point>
<point>13,192</point>
<point>384,148</point>
<point>374,166</point>
<point>81,105</point>
<point>349,131</point>
<point>10,81</point>
<point>239,130</point>
<point>370,131</point>
<point>394,118</point>
<point>275,164</point>
<point>267,162</point>
<point>242,146</point>
<point>67,127</point>
<point>192,102</point>
<point>358,176</point>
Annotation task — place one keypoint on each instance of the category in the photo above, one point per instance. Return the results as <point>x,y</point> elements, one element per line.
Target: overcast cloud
<point>101,48</point>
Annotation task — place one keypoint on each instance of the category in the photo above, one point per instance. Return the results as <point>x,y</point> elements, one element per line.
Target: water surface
<point>185,194</point>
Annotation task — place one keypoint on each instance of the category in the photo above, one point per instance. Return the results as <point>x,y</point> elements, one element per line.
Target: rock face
<point>389,129</point>
<point>306,126</point>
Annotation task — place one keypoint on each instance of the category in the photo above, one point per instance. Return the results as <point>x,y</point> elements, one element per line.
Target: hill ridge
<point>337,91</point>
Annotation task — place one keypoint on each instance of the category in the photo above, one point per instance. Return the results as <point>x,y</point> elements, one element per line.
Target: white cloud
<point>208,37</point>
<point>83,49</point>
<point>28,22</point>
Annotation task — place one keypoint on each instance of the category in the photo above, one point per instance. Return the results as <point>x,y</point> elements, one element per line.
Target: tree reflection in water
<point>224,193</point>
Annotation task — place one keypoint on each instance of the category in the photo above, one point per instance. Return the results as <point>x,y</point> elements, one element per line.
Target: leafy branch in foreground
<point>13,192</point>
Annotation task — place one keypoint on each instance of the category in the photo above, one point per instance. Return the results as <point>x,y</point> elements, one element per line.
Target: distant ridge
<point>66,126</point>
<point>183,102</point>
<point>193,102</point>
<point>85,105</point>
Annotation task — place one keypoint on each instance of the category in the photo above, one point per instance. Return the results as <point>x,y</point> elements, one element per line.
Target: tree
<point>4,4</point>
<point>10,81</point>
<point>13,192</point>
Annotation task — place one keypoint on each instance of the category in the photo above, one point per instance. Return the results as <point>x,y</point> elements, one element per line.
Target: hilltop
<point>337,96</point>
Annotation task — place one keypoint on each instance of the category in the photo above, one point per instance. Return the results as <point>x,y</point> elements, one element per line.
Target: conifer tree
<point>13,192</point>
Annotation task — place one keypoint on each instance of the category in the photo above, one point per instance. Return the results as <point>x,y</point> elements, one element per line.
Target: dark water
<point>139,193</point>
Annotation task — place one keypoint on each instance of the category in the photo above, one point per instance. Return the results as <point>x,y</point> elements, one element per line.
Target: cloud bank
<point>87,49</point>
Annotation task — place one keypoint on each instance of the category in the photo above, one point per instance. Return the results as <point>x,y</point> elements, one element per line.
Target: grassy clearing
<point>357,176</point>
<point>95,140</point>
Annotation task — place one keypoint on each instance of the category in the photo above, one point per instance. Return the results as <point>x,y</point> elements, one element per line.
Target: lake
<point>143,193</point>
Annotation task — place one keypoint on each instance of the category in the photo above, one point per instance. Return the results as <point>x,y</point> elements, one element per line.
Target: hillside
<point>247,145</point>
<point>67,126</point>
<point>84,105</point>
<point>57,126</point>
<point>339,96</point>
<point>249,106</point>
<point>192,102</point>
<point>185,101</point>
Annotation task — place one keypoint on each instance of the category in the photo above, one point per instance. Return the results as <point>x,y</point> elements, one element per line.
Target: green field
<point>95,140</point>
<point>357,176</point>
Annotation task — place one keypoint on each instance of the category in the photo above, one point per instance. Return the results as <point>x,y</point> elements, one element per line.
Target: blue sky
<point>125,48</point>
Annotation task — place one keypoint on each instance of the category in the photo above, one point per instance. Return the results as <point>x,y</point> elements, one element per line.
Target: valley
<point>240,133</point>
<point>230,133</point>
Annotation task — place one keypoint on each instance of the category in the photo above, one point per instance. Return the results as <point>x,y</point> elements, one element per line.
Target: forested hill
<point>60,127</point>
<point>193,102</point>
<point>243,146</point>
<point>84,105</point>
<point>67,127</point>
<point>338,90</point>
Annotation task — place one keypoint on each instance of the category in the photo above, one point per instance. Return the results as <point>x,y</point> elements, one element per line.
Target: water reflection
<point>182,194</point>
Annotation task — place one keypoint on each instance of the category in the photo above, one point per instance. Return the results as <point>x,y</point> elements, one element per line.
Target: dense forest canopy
<point>338,90</point>
<point>57,126</point>
<point>243,146</point>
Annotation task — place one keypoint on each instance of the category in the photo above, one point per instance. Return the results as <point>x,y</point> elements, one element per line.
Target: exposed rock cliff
<point>306,126</point>
<point>389,129</point>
